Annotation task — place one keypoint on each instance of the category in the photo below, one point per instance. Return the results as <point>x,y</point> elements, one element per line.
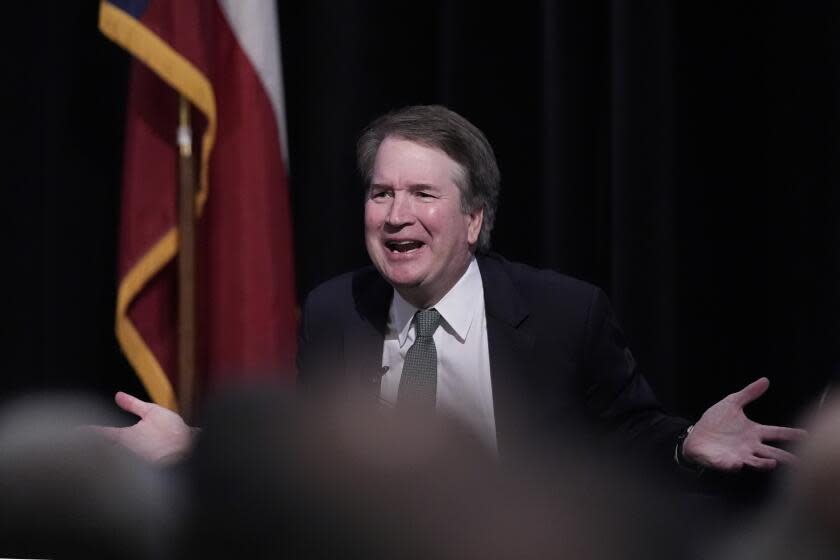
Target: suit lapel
<point>510,346</point>
<point>363,340</point>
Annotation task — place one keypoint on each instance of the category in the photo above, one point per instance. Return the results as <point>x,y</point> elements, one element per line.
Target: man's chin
<point>403,284</point>
<point>411,289</point>
<point>399,275</point>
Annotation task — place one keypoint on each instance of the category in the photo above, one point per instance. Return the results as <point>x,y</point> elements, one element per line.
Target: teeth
<point>403,246</point>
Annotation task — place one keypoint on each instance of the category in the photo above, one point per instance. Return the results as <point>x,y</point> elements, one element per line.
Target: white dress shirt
<point>464,390</point>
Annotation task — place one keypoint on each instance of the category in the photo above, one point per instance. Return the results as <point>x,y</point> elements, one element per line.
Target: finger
<point>96,431</point>
<point>782,433</point>
<point>761,463</point>
<point>780,455</point>
<point>112,434</point>
<point>751,392</point>
<point>132,404</point>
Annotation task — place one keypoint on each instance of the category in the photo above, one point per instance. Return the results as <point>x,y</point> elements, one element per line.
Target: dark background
<point>681,155</point>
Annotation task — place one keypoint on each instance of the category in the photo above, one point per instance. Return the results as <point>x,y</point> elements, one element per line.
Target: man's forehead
<point>402,160</point>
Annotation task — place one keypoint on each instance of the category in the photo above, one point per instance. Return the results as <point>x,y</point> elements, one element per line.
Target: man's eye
<point>379,194</point>
<point>423,194</point>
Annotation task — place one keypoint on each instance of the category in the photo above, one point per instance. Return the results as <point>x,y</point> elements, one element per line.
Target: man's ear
<point>474,221</point>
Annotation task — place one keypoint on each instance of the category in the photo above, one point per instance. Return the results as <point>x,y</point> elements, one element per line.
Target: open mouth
<point>403,246</point>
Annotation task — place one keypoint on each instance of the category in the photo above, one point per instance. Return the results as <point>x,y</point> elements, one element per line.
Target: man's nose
<point>400,213</point>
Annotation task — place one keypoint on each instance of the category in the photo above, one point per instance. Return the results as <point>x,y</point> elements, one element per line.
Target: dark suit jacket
<point>558,359</point>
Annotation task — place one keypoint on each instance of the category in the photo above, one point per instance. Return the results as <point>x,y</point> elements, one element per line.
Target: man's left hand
<point>726,440</point>
<point>160,436</point>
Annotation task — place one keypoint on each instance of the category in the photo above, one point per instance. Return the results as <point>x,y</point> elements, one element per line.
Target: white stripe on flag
<point>254,24</point>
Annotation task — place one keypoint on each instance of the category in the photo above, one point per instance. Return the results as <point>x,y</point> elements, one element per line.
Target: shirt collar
<point>456,308</point>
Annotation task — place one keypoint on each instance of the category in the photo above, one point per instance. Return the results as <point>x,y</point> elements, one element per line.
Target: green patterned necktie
<point>418,384</point>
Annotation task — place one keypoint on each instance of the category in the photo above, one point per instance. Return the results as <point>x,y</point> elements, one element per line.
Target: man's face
<point>416,234</point>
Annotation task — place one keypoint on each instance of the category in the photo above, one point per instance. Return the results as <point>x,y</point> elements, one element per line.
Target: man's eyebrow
<point>422,187</point>
<point>413,186</point>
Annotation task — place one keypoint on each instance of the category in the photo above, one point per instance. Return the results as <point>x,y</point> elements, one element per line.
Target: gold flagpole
<point>186,264</point>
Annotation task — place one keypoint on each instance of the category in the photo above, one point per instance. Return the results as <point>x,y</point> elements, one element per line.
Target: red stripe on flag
<point>245,293</point>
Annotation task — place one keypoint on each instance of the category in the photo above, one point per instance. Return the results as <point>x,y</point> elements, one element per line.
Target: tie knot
<point>426,321</point>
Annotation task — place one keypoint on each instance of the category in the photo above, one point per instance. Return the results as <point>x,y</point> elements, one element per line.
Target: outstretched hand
<point>725,439</point>
<point>160,436</point>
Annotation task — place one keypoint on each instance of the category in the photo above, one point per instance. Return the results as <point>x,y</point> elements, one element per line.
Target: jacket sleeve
<point>319,347</point>
<point>618,395</point>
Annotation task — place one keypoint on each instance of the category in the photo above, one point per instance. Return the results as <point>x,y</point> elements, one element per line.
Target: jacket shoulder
<point>340,289</point>
<point>362,293</point>
<point>539,286</point>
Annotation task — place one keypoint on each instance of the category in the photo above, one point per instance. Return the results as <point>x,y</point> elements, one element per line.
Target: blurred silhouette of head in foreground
<point>278,476</point>
<point>67,493</point>
<point>804,520</point>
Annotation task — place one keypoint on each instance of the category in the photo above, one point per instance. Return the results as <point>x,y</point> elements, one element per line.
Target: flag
<point>224,57</point>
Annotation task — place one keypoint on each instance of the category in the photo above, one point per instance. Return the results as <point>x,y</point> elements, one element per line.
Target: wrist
<point>680,457</point>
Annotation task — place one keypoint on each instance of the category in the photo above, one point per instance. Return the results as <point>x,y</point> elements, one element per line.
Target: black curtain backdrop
<point>680,155</point>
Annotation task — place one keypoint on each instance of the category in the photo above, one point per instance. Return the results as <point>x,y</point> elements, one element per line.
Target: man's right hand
<point>160,436</point>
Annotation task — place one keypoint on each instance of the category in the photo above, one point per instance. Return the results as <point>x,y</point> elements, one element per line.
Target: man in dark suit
<point>555,351</point>
<point>547,375</point>
<point>439,323</point>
